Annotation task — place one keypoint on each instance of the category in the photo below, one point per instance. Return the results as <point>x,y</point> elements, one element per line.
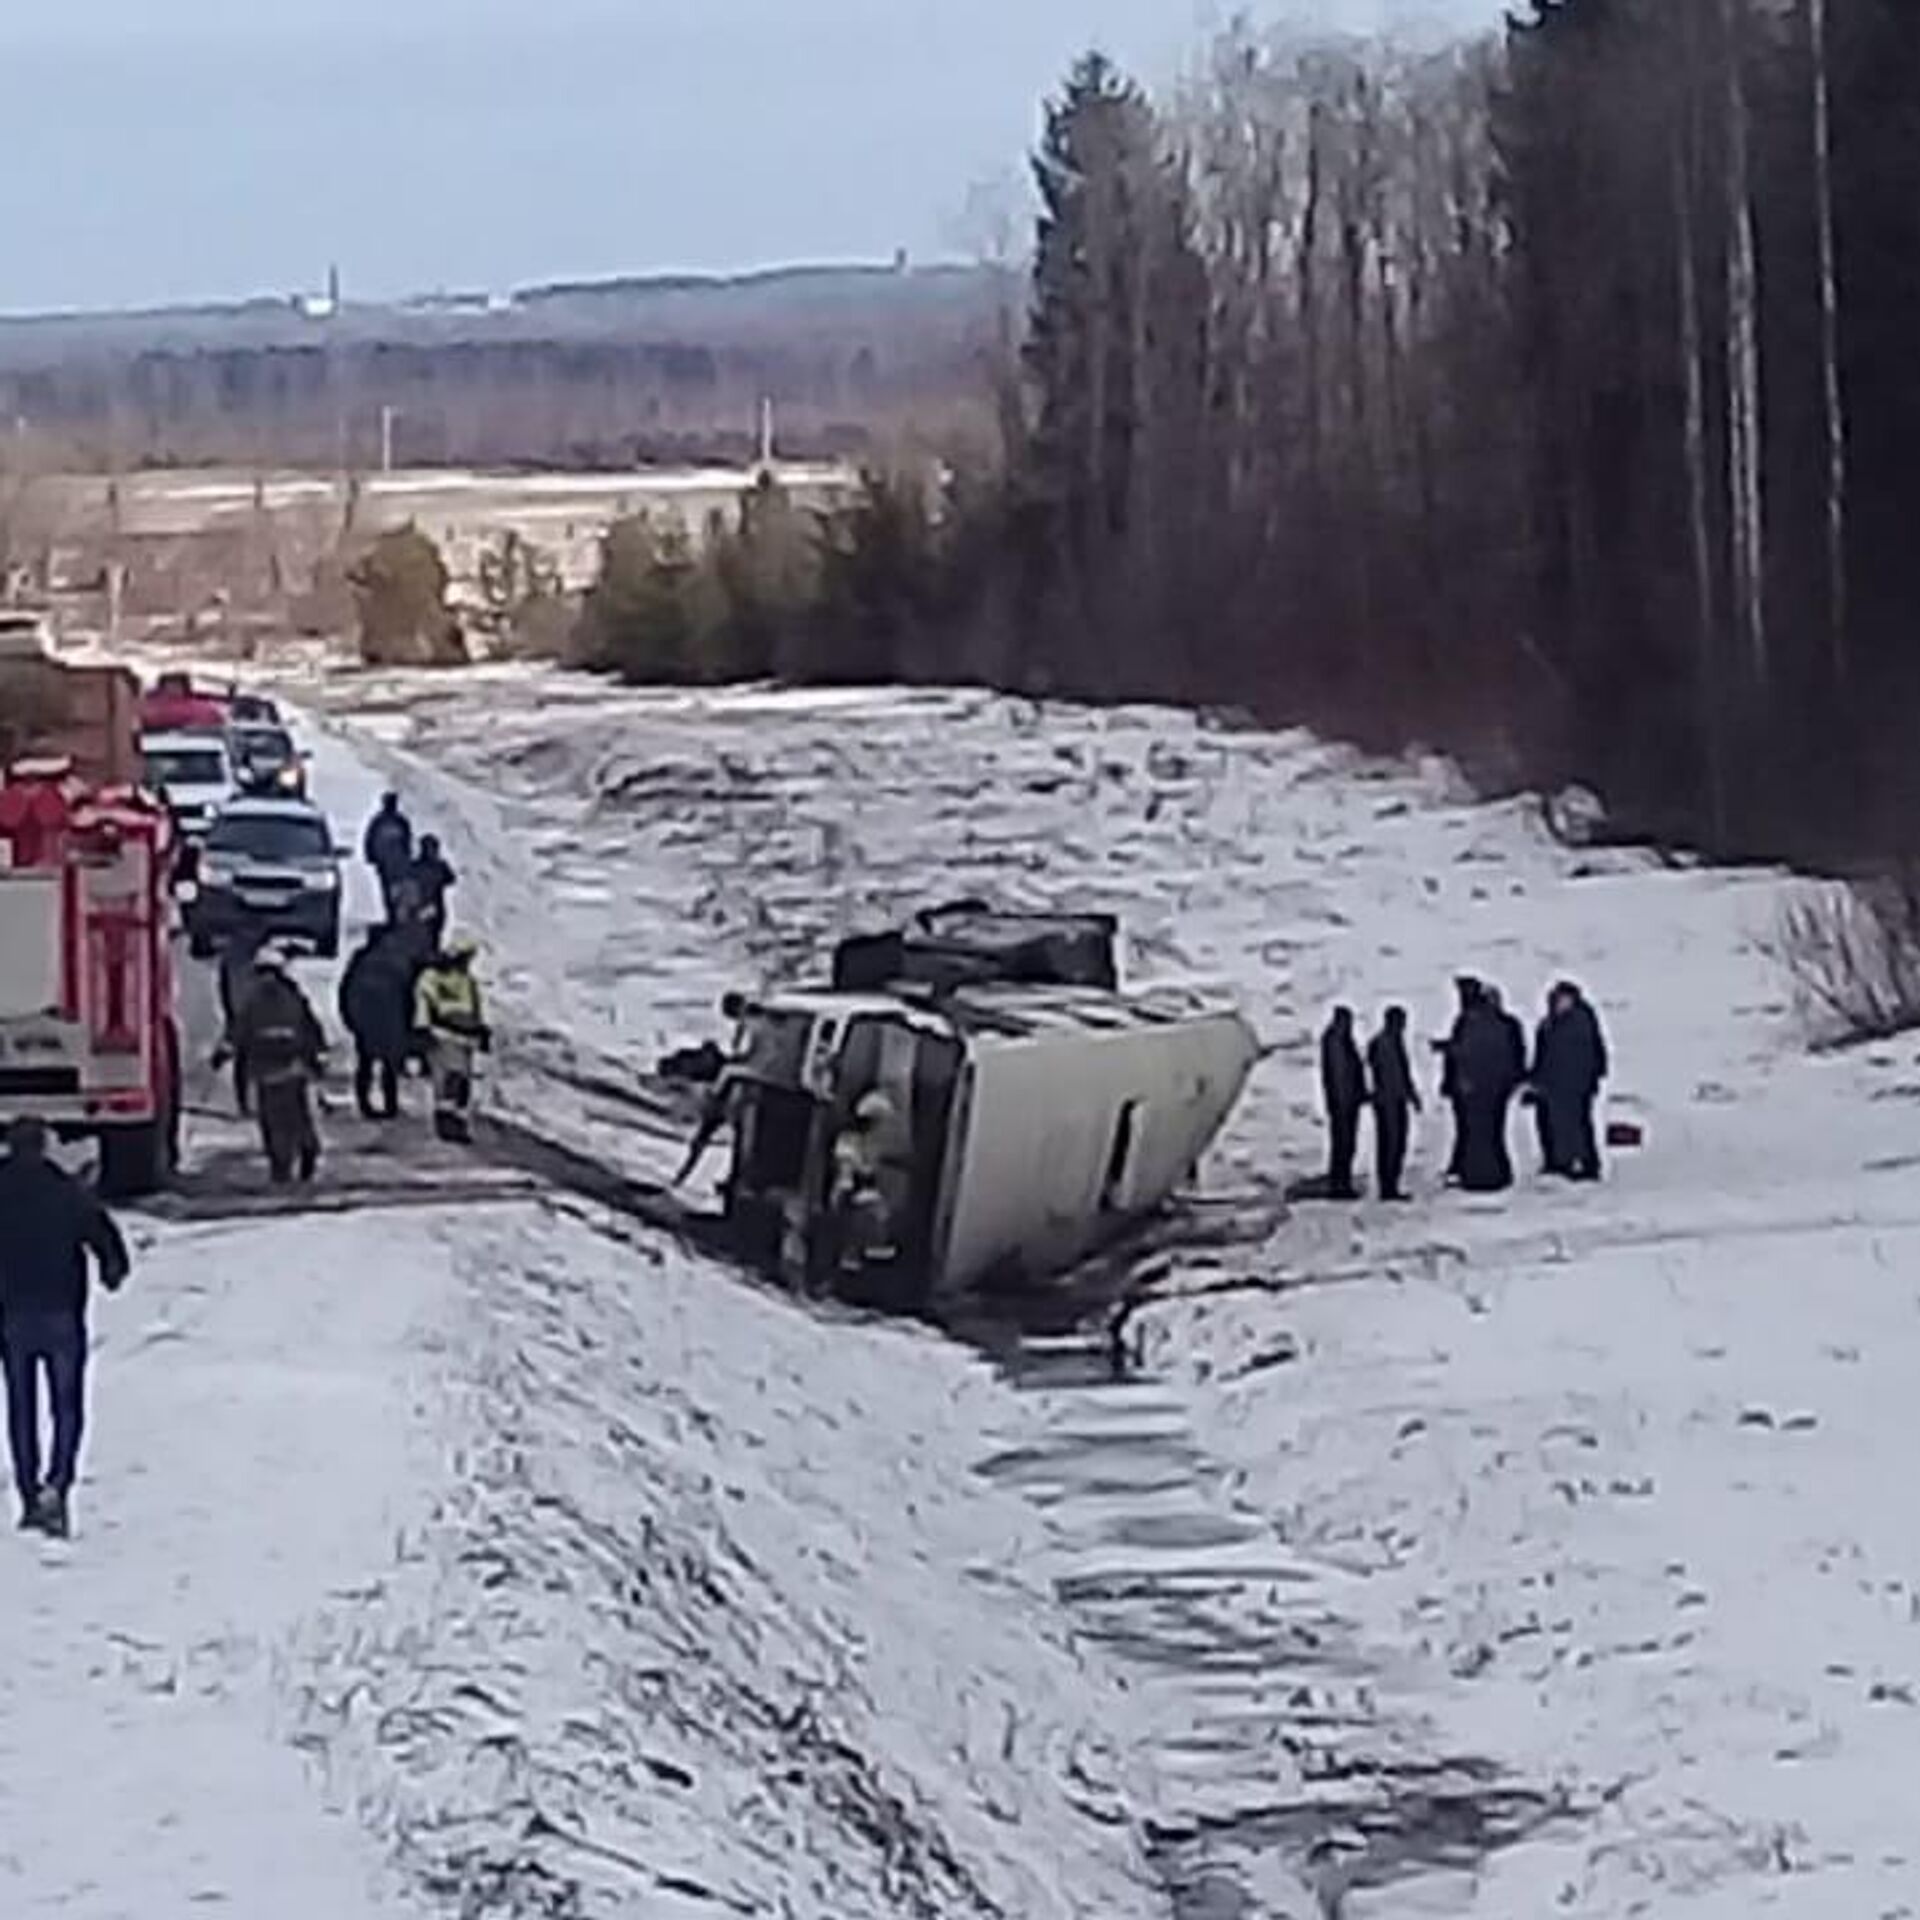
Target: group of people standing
<point>407,994</point>
<point>410,992</point>
<point>1486,1064</point>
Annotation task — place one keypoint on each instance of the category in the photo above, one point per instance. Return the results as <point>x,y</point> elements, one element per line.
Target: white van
<point>192,772</point>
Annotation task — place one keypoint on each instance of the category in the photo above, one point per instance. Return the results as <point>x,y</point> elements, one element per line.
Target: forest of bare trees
<point>1550,398</point>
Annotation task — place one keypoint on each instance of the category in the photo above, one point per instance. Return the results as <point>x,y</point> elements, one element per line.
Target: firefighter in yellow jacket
<point>450,1019</point>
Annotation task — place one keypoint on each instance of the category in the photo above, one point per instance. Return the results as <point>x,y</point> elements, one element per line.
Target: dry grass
<point>1852,952</point>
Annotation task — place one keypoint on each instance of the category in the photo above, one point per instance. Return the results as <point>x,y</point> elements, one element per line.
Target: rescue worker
<point>49,1224</point>
<point>450,1018</point>
<point>431,880</point>
<point>376,1008</point>
<point>388,848</point>
<point>1343,1087</point>
<point>282,1050</point>
<point>1395,1101</point>
<point>236,976</point>
<point>1570,1065</point>
<point>861,1201</point>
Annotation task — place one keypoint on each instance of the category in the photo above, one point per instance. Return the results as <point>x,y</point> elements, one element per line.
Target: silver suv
<point>269,867</point>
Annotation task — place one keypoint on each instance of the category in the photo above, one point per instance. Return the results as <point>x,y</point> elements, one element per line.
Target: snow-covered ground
<point>1544,1554</point>
<point>1571,1494</point>
<point>488,1560</point>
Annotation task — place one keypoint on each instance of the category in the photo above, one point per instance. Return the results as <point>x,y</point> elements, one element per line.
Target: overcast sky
<point>182,149</point>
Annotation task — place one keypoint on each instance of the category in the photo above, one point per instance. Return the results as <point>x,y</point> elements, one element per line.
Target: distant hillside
<point>569,374</point>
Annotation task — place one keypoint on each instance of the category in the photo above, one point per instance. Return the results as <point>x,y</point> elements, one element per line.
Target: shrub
<point>400,595</point>
<point>526,606</point>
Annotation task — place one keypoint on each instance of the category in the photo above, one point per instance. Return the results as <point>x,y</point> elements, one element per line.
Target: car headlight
<point>323,882</point>
<point>215,873</point>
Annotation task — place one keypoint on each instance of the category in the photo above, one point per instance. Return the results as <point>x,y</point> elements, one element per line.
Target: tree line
<point>1548,398</point>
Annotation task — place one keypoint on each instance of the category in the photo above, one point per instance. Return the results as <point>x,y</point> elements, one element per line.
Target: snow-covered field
<point>1570,1494</point>
<point>1541,1555</point>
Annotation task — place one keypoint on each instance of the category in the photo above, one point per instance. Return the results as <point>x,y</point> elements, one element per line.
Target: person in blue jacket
<point>49,1224</point>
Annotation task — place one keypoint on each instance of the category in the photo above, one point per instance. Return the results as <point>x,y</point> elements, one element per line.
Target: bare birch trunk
<point>1696,446</point>
<point>1743,359</point>
<point>1307,262</point>
<point>1837,595</point>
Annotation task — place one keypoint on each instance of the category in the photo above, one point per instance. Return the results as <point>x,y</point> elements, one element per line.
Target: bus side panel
<point>1046,1121</point>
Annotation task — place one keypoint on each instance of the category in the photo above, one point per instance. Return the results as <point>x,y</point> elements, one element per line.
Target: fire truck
<point>89,1037</point>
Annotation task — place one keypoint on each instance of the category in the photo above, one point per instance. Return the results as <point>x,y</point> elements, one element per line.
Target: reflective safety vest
<point>447,1000</point>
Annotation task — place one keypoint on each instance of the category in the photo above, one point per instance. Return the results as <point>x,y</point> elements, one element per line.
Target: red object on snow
<point>171,710</point>
<point>1626,1133</point>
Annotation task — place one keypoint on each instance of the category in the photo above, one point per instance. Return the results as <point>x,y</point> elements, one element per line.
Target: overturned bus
<point>1028,1109</point>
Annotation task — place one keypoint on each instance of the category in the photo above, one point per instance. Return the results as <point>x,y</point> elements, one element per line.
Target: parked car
<point>268,867</point>
<point>266,761</point>
<point>254,710</point>
<point>192,772</point>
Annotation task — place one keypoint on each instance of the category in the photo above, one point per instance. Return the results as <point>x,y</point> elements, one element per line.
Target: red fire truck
<point>89,1039</point>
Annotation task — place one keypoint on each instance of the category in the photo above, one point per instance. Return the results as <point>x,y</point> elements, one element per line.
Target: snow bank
<point>716,1615</point>
<point>1584,1485</point>
<point>262,1426</point>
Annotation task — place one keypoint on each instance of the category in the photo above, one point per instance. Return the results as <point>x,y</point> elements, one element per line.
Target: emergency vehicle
<point>89,1039</point>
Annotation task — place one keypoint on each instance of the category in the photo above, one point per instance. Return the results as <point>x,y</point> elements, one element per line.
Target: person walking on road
<point>450,1017</point>
<point>283,1048</point>
<point>1395,1101</point>
<point>1570,1065</point>
<point>236,980</point>
<point>431,880</point>
<point>388,848</point>
<point>376,1008</point>
<point>49,1224</point>
<point>1343,1086</point>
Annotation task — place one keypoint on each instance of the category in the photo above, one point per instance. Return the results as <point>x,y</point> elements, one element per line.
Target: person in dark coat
<point>376,1007</point>
<point>1570,1065</point>
<point>432,880</point>
<point>49,1224</point>
<point>1485,1069</point>
<point>1469,991</point>
<point>1343,1086</point>
<point>388,847</point>
<point>236,976</point>
<point>1395,1101</point>
<point>284,1050</point>
<point>1515,1036</point>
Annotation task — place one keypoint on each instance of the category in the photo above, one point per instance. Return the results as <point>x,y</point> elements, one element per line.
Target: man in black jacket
<point>1570,1065</point>
<point>388,848</point>
<point>1343,1085</point>
<point>1395,1101</point>
<point>1486,1065</point>
<point>429,881</point>
<point>376,1005</point>
<point>49,1223</point>
<point>283,1050</point>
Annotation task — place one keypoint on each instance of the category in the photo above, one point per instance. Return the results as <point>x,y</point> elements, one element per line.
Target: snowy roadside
<point>714,1619</point>
<point>263,1426</point>
<point>1587,1477</point>
<point>580,1573</point>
